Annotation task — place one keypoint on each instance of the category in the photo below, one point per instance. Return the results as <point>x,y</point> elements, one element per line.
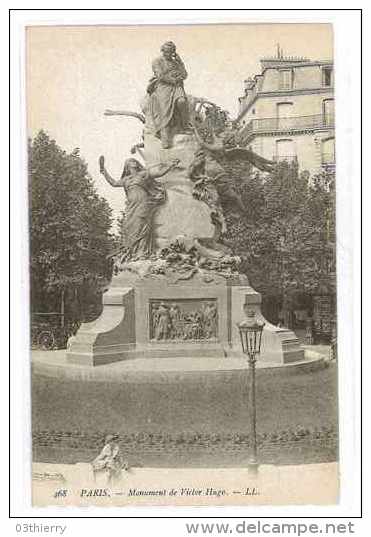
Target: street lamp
<point>251,336</point>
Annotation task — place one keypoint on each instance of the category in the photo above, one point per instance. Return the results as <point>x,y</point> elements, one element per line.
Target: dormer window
<point>327,75</point>
<point>286,77</point>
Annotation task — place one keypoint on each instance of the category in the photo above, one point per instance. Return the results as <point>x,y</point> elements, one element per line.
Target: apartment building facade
<point>287,112</point>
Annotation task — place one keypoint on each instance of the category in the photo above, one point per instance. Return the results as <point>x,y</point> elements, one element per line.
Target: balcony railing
<point>328,161</point>
<point>328,158</point>
<point>282,124</point>
<point>287,158</point>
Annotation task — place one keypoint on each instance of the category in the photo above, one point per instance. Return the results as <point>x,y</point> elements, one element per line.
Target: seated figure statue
<point>167,101</point>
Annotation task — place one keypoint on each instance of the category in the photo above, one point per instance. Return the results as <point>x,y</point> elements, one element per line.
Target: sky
<point>74,73</point>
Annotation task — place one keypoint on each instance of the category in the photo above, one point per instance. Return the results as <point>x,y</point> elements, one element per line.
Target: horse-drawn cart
<point>51,330</point>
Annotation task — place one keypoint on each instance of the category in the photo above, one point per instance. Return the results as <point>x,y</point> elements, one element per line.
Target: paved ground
<point>54,365</point>
<point>310,484</point>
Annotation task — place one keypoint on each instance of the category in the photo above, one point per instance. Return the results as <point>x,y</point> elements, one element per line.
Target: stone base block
<point>157,318</point>
<point>279,345</point>
<point>109,338</point>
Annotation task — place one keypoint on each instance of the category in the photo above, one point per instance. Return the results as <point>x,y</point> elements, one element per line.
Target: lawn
<point>205,404</point>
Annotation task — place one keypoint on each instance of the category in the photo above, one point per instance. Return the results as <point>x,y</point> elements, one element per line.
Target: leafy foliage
<point>122,234</point>
<point>69,226</point>
<point>287,236</point>
<point>211,120</point>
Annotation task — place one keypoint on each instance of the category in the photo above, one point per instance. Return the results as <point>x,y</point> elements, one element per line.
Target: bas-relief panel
<point>187,319</point>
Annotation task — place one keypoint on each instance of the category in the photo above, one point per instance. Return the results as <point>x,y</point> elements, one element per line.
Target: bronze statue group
<point>169,111</point>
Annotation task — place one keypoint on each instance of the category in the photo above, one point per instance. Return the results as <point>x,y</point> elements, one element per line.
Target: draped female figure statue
<point>143,196</point>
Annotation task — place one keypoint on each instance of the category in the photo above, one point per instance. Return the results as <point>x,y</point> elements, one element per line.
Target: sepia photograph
<point>182,264</point>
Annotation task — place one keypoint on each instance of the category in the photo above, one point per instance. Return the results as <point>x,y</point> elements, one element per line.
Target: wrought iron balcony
<point>286,124</point>
<point>287,158</point>
<point>328,161</point>
<point>328,158</point>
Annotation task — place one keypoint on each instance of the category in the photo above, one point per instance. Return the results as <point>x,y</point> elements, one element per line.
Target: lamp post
<point>251,335</point>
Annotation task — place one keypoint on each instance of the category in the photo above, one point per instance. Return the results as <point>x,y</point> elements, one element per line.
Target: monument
<point>177,290</point>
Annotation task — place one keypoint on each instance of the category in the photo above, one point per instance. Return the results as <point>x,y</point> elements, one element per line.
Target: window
<point>327,76</point>
<point>328,112</point>
<point>328,152</point>
<point>285,79</point>
<point>285,111</point>
<point>285,150</point>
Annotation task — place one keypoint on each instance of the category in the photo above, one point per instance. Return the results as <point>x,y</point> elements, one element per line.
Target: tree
<point>122,236</point>
<point>287,236</point>
<point>70,225</point>
<point>322,220</point>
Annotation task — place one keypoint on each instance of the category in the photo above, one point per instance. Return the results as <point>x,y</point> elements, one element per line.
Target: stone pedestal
<point>109,338</point>
<point>279,345</point>
<point>199,320</point>
<point>176,313</point>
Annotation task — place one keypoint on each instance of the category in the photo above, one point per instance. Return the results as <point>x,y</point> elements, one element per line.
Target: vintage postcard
<point>182,264</point>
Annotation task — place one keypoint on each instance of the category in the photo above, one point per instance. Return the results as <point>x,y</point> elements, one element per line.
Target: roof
<point>275,63</point>
<point>290,61</point>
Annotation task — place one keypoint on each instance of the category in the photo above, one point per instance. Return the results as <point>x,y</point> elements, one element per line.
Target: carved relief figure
<point>175,318</point>
<point>143,196</point>
<point>163,322</point>
<point>210,314</point>
<point>172,322</point>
